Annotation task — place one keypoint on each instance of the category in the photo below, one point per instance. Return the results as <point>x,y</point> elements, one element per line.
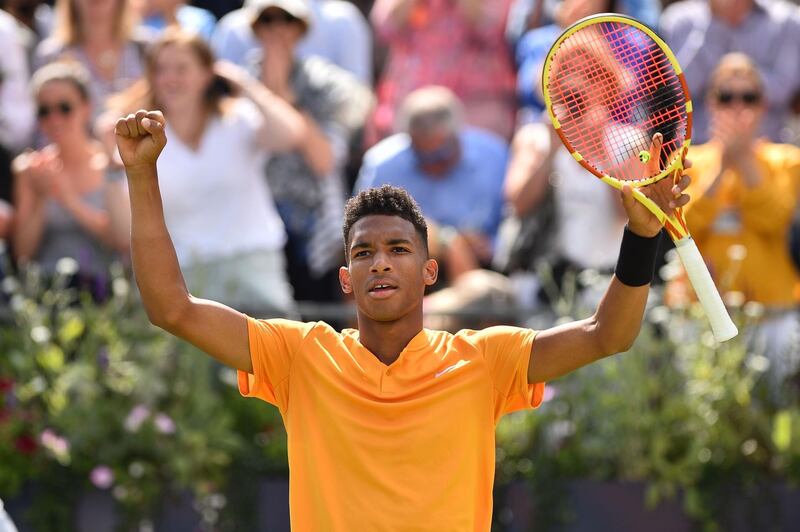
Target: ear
<point>431,272</point>
<point>344,280</point>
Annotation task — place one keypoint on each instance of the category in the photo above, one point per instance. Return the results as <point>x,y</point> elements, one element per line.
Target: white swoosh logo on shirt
<point>454,367</point>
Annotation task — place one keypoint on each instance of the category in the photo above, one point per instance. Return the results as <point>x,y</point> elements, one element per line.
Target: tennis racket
<point>610,86</point>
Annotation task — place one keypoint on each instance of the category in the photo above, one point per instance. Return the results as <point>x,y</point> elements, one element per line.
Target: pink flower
<point>136,417</point>
<point>164,424</point>
<point>549,393</point>
<point>102,477</point>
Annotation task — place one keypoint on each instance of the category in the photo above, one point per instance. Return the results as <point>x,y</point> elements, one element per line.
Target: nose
<point>380,263</point>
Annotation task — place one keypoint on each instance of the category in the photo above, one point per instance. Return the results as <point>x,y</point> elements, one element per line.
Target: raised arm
<point>616,323</point>
<point>216,329</point>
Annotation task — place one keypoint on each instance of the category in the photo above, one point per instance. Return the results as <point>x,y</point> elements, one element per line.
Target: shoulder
<point>485,142</point>
<point>323,74</point>
<point>389,150</point>
<point>337,11</point>
<point>786,155</point>
<point>238,18</point>
<point>48,50</point>
<point>291,333</point>
<point>495,338</point>
<point>686,11</point>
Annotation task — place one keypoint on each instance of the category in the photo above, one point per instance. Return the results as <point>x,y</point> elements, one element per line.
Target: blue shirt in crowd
<point>190,18</point>
<point>469,197</point>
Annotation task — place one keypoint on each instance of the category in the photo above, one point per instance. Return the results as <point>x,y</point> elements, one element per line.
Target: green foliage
<point>684,415</point>
<point>94,394</point>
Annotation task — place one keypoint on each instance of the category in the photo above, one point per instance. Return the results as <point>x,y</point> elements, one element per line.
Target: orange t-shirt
<point>405,447</point>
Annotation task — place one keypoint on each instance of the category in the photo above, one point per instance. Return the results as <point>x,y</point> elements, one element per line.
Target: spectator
<point>99,35</point>
<point>158,14</point>
<point>533,47</point>
<point>34,22</point>
<point>337,32</point>
<point>59,190</point>
<point>528,15</point>
<point>768,31</point>
<point>743,197</point>
<point>16,105</point>
<point>456,44</point>
<point>455,172</point>
<point>218,207</point>
<point>576,221</point>
<point>308,184</point>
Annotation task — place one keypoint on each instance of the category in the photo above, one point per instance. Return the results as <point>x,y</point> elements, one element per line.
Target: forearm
<point>27,230</point>
<point>283,127</point>
<point>316,149</point>
<point>155,263</point>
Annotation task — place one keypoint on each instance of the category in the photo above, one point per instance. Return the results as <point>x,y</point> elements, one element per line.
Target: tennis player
<point>391,426</point>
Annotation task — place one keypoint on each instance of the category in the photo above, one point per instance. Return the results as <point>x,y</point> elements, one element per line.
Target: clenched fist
<point>140,137</point>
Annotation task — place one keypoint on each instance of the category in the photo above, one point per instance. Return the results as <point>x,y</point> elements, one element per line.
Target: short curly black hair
<point>386,200</point>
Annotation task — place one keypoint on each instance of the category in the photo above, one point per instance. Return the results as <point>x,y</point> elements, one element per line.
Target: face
<point>62,112</point>
<point>437,151</point>
<point>180,80</point>
<point>96,10</point>
<point>735,95</point>
<point>276,25</point>
<point>731,11</point>
<point>388,268</point>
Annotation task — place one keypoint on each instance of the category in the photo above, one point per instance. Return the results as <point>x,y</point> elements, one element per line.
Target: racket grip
<point>721,324</point>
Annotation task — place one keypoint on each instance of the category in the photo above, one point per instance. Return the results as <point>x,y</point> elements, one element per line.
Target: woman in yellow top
<point>744,192</point>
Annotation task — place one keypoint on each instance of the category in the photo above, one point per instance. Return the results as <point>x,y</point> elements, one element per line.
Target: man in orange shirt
<point>391,427</point>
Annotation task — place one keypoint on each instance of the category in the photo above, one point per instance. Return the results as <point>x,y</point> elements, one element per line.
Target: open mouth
<point>382,289</point>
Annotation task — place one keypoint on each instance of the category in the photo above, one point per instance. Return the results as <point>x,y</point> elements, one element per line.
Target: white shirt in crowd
<point>16,103</point>
<point>216,200</point>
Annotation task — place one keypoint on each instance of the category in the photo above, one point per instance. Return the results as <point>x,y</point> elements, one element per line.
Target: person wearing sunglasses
<point>59,190</point>
<point>743,197</point>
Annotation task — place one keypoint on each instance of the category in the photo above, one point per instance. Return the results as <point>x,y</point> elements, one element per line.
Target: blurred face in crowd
<point>738,99</point>
<point>275,26</point>
<point>733,12</point>
<point>180,80</point>
<point>388,268</point>
<point>62,111</point>
<point>437,150</point>
<point>150,7</point>
<point>571,11</point>
<point>97,11</point>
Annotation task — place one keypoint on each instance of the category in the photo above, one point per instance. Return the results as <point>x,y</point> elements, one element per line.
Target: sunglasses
<point>62,108</point>
<point>268,18</point>
<point>746,97</point>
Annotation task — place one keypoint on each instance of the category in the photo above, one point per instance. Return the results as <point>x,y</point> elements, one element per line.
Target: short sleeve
<point>507,352</point>
<point>273,346</point>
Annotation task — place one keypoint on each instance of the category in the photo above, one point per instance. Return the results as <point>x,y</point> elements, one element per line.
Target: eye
<point>362,253</point>
<point>400,249</point>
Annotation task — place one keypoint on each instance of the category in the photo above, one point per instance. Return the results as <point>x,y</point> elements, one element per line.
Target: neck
<point>188,123</point>
<point>386,340</point>
<point>98,34</point>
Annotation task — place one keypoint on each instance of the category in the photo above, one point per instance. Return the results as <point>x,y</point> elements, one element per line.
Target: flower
<point>102,476</point>
<point>25,444</point>
<point>136,417</point>
<point>164,424</point>
<point>56,444</point>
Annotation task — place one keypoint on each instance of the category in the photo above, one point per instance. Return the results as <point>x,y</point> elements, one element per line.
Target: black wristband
<point>636,264</point>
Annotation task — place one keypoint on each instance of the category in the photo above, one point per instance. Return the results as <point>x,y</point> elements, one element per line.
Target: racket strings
<point>619,74</point>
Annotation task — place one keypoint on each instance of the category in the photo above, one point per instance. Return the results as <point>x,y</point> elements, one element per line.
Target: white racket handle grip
<point>708,295</point>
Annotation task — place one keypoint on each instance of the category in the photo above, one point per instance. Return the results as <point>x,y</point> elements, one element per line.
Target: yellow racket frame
<point>674,224</point>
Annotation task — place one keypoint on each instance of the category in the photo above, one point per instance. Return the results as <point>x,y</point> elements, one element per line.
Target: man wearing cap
<point>337,31</point>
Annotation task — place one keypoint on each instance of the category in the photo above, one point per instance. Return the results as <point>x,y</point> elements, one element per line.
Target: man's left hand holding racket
<point>667,193</point>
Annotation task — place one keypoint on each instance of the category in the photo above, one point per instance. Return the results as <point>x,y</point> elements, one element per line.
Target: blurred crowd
<point>278,110</point>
